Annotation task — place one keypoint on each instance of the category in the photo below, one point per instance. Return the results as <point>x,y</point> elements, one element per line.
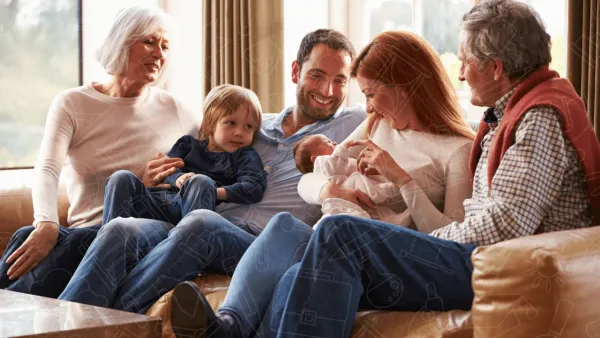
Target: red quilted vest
<point>545,87</point>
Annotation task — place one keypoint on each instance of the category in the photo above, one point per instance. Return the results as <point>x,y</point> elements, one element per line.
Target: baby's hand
<point>181,179</point>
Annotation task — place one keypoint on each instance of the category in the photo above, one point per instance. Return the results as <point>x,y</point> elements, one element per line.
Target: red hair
<point>398,58</point>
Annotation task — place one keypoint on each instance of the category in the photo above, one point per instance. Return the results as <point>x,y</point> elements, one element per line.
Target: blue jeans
<point>353,263</point>
<point>52,274</point>
<point>279,246</point>
<point>126,196</point>
<point>133,262</point>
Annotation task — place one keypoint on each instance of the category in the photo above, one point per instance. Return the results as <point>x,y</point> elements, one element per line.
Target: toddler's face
<point>234,131</point>
<point>321,145</point>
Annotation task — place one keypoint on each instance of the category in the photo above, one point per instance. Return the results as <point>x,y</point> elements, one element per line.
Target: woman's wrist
<point>47,225</point>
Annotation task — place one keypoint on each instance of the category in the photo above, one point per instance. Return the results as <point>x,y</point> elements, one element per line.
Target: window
<point>438,21</point>
<point>45,48</point>
<point>39,57</point>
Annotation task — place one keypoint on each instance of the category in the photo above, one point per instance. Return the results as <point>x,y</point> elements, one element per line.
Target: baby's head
<point>232,118</point>
<point>307,150</point>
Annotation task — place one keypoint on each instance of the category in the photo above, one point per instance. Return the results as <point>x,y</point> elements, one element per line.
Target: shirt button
<point>267,168</point>
<point>281,146</point>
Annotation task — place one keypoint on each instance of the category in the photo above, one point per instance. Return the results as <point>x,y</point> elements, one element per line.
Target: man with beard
<point>132,262</point>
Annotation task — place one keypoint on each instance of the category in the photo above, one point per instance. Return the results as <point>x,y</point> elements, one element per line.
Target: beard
<point>305,104</point>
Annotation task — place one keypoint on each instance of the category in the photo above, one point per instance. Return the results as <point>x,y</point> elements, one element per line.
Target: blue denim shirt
<point>282,175</point>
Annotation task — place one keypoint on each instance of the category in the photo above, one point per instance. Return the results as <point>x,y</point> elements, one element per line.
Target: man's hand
<point>160,167</point>
<point>183,178</point>
<point>357,197</point>
<point>35,248</point>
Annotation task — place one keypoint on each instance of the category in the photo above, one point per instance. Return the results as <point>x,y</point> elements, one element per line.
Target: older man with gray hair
<point>532,166</point>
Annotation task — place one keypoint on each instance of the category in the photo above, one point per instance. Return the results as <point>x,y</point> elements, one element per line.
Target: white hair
<point>507,30</point>
<point>131,24</point>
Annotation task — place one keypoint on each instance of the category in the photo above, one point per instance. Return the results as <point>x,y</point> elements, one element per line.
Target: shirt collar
<point>494,115</point>
<point>275,124</point>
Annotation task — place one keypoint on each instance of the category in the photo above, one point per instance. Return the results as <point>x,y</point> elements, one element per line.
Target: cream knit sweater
<point>89,135</point>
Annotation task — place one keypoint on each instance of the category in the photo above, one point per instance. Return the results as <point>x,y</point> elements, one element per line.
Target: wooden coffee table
<point>23,315</point>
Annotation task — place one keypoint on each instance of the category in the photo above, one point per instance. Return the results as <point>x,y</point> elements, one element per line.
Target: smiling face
<point>322,82</point>
<point>389,102</point>
<point>480,78</point>
<point>234,131</point>
<point>147,58</point>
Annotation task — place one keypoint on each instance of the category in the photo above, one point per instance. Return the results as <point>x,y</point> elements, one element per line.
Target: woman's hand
<point>35,248</point>
<point>160,167</point>
<point>357,197</point>
<point>373,160</point>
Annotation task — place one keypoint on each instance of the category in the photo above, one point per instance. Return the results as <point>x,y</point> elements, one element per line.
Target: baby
<point>318,154</point>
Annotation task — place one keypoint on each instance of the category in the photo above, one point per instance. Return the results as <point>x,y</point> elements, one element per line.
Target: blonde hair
<point>223,101</point>
<point>405,59</point>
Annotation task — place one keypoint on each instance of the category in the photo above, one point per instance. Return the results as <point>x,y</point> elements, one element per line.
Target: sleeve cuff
<point>37,221</point>
<point>310,186</point>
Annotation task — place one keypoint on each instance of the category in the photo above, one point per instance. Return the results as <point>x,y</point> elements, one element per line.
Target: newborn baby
<point>318,154</point>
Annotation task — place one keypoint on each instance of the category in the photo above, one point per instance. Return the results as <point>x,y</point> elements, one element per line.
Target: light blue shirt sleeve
<point>282,175</point>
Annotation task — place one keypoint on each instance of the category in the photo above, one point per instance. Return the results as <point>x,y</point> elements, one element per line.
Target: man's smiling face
<point>322,82</point>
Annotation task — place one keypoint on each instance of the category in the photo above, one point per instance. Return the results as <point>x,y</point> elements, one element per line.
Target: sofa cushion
<point>538,286</point>
<point>375,324</point>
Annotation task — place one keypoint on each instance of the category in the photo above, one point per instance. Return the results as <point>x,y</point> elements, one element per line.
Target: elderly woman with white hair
<point>99,128</point>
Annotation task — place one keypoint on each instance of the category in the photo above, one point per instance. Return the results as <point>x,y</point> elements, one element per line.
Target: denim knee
<point>199,181</point>
<point>122,179</point>
<point>21,235</point>
<point>341,225</point>
<point>282,222</point>
<point>197,222</point>
<point>122,227</point>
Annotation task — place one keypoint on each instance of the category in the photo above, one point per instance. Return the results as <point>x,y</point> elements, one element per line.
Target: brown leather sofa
<point>539,286</point>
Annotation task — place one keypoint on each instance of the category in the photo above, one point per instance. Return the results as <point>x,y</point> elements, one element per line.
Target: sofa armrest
<point>16,209</point>
<point>15,212</point>
<point>538,285</point>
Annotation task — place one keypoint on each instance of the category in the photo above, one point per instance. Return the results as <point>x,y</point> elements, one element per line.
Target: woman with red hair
<point>414,137</point>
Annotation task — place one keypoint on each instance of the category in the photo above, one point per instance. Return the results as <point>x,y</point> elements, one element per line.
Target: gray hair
<point>507,30</point>
<point>131,24</point>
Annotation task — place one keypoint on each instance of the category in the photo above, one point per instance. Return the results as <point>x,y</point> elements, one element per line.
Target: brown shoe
<point>187,311</point>
<point>192,315</point>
